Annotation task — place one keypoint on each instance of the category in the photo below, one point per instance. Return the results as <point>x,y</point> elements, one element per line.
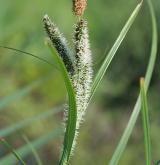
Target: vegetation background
<point>21,27</point>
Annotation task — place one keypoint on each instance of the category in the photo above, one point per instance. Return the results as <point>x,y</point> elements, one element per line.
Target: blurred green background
<point>21,27</point>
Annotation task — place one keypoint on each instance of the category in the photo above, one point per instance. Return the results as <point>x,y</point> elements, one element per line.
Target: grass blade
<point>20,93</point>
<point>29,54</point>
<point>72,113</point>
<point>37,158</point>
<point>16,155</point>
<point>25,150</point>
<point>154,45</point>
<point>10,129</point>
<point>145,119</point>
<point>114,49</point>
<point>128,130</point>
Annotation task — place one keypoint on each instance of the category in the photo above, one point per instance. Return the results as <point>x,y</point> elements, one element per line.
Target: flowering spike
<point>59,42</point>
<point>79,7</point>
<point>83,70</point>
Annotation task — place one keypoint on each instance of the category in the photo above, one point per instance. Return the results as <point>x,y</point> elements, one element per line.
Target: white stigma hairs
<point>80,69</point>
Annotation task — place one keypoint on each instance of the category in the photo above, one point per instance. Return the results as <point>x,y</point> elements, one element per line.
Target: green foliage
<point>34,151</point>
<point>114,49</point>
<point>24,150</point>
<point>29,54</point>
<point>14,152</point>
<point>24,123</point>
<point>19,94</point>
<point>72,112</point>
<point>71,136</point>
<point>128,130</point>
<point>145,118</point>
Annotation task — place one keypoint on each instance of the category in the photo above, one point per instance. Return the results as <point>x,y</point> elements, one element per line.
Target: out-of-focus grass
<point>21,27</point>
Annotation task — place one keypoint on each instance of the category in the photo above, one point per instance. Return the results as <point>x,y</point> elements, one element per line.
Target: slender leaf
<point>29,54</point>
<point>34,151</point>
<point>25,150</point>
<point>72,113</point>
<point>145,119</point>
<point>113,50</point>
<point>14,153</point>
<point>20,93</point>
<point>14,127</point>
<point>128,130</point>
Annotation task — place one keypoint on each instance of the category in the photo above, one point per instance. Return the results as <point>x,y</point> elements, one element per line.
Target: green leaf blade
<point>154,46</point>
<point>114,49</point>
<point>24,123</point>
<point>33,150</point>
<point>4,102</point>
<point>25,150</point>
<point>72,113</point>
<point>145,119</point>
<point>13,151</point>
<point>128,130</point>
<point>29,54</point>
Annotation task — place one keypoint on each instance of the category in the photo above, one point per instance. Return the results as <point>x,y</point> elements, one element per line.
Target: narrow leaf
<point>72,113</point>
<point>34,151</point>
<point>29,54</point>
<point>145,119</point>
<point>113,50</point>
<point>128,130</point>
<point>14,153</point>
<point>25,150</point>
<point>14,127</point>
<point>20,93</point>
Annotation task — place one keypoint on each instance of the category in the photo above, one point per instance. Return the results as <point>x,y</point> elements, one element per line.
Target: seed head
<point>59,42</point>
<point>83,71</point>
<point>79,7</point>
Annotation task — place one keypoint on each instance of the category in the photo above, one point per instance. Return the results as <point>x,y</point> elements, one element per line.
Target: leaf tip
<point>142,81</point>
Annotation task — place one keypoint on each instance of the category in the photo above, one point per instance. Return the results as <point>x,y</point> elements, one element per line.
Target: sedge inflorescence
<point>79,7</point>
<point>78,63</point>
<point>59,42</point>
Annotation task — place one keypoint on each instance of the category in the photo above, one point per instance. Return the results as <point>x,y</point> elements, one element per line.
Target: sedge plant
<point>76,69</point>
<point>78,66</point>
